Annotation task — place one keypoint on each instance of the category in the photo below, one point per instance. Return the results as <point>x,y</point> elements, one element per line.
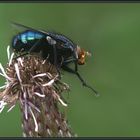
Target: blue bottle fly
<point>55,47</point>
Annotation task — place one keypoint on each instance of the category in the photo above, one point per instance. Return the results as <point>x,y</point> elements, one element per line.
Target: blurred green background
<point>111,31</point>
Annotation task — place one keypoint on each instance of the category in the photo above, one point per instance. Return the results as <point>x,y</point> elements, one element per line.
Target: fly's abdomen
<point>24,41</point>
<point>29,35</point>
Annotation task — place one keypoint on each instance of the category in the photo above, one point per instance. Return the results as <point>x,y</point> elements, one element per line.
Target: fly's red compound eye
<point>82,55</point>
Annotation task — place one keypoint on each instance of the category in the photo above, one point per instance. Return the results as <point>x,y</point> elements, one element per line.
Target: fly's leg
<point>20,55</point>
<point>66,68</point>
<point>55,61</point>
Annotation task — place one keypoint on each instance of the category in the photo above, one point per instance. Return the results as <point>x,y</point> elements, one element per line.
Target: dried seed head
<point>35,84</point>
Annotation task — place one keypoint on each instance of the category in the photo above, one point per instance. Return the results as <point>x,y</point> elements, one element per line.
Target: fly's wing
<point>55,36</point>
<point>21,26</point>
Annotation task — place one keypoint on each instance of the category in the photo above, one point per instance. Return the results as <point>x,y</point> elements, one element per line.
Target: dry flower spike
<point>35,84</point>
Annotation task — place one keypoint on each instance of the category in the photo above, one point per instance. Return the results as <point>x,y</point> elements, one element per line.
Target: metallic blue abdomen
<point>25,40</point>
<point>27,36</point>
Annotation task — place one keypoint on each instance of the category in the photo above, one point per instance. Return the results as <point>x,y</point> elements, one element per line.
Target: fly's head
<point>82,55</point>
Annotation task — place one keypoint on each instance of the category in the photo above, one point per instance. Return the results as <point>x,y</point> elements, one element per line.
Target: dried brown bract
<point>36,85</point>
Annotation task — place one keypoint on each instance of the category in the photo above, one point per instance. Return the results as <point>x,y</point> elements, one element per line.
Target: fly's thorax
<point>82,55</point>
